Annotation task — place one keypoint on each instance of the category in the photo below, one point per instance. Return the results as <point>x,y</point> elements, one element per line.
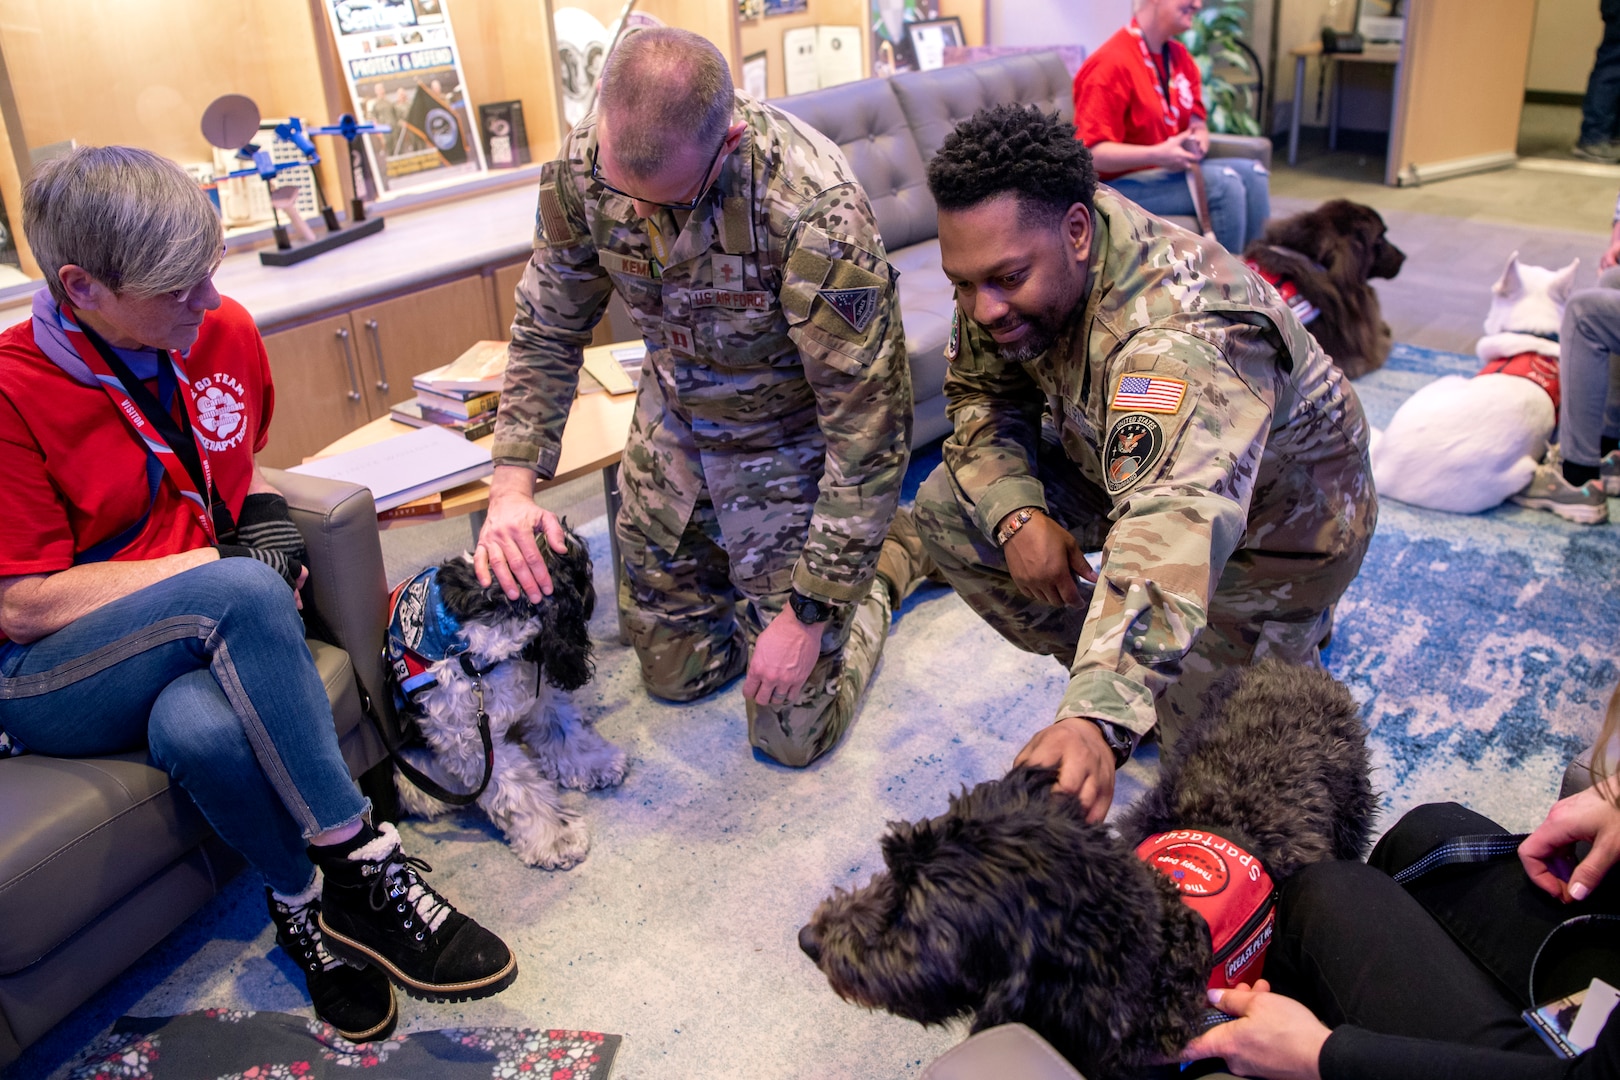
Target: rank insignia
<point>854,306</point>
<point>1135,444</point>
<point>953,344</point>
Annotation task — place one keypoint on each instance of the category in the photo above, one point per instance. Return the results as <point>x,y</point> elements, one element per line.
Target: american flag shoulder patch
<point>1149,393</point>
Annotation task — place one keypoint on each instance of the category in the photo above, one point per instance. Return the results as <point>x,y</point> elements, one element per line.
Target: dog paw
<point>603,774</point>
<point>563,848</point>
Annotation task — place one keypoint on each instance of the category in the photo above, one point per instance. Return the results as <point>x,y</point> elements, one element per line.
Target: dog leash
<point>426,783</point>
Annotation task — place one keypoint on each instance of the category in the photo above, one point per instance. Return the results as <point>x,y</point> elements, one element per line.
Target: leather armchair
<point>100,858</point>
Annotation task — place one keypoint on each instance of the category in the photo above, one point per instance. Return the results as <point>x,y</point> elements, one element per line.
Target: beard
<point>1036,340</point>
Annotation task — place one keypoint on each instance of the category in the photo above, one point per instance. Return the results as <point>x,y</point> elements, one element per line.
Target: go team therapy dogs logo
<point>220,411</point>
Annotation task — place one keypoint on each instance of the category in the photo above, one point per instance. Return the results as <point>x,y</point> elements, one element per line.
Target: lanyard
<point>171,442</point>
<point>1161,75</point>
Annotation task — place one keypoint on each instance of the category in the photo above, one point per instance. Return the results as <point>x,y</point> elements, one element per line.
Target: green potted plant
<point>1217,45</point>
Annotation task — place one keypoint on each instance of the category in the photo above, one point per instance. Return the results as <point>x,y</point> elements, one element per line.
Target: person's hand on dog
<point>1548,854</point>
<point>1174,155</point>
<point>1043,558</point>
<point>1274,1037</point>
<point>783,656</point>
<point>507,550</point>
<point>1075,747</point>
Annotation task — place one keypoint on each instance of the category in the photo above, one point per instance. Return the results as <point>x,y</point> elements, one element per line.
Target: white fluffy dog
<point>1465,445</point>
<point>458,650</point>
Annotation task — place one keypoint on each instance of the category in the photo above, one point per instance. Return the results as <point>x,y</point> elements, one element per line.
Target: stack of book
<point>462,395</point>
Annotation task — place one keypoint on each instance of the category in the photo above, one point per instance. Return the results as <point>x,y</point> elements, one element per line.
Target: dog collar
<point>1305,311</point>
<point>1229,888</point>
<point>421,632</point>
<point>1553,337</point>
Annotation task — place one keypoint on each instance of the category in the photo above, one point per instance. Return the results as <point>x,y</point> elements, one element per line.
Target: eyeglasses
<point>596,174</point>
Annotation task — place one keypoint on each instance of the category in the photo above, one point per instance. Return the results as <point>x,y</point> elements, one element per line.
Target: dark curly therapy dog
<point>1329,254</point>
<point>1011,908</point>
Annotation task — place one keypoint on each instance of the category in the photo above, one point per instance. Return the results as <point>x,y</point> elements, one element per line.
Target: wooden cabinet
<point>319,394</point>
<point>337,373</point>
<point>409,334</point>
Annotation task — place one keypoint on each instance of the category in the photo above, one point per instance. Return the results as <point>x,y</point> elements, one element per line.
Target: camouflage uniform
<point>773,418</point>
<point>1186,424</point>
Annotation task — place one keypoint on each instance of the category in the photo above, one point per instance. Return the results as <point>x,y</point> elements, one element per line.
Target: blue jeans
<point>1600,109</point>
<point>209,670</point>
<point>1239,197</point>
<point>1591,405</point>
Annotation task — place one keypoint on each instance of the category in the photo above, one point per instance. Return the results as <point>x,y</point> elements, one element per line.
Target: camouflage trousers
<point>1278,605</point>
<point>693,628</point>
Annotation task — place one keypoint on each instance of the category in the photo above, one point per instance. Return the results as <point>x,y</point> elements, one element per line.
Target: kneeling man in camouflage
<point>1118,383</point>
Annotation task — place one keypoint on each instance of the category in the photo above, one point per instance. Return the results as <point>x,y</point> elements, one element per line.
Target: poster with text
<point>403,70</point>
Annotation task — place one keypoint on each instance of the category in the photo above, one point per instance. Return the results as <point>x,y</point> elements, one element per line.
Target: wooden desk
<point>1374,54</point>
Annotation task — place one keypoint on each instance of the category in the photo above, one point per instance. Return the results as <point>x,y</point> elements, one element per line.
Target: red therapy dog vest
<point>1303,309</point>
<point>1229,888</point>
<point>1539,368</point>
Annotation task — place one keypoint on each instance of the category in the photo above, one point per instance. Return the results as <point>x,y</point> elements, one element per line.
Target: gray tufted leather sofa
<point>889,129</point>
<point>100,858</point>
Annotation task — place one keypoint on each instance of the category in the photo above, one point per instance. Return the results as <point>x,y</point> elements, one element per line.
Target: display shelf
<point>764,34</point>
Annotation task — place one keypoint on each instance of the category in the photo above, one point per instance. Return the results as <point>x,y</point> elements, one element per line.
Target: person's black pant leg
<point>1355,948</point>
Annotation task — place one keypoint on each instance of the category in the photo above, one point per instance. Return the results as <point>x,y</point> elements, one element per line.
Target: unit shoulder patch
<point>1149,393</point>
<point>1135,444</point>
<point>855,306</point>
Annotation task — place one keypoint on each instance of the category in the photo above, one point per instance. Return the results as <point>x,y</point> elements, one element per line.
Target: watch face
<point>809,610</point>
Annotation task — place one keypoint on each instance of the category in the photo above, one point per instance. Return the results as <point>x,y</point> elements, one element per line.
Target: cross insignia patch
<point>854,306</point>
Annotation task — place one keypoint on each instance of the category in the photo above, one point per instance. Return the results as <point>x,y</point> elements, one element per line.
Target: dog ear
<point>907,847</point>
<point>563,646</point>
<point>1563,283</point>
<point>1509,284</point>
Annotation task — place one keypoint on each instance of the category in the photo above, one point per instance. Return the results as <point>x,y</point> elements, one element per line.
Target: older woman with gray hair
<point>149,581</point>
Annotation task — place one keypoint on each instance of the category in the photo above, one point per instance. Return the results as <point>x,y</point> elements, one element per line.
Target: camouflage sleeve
<point>843,312</point>
<point>560,298</point>
<point>995,410</point>
<point>1181,482</point>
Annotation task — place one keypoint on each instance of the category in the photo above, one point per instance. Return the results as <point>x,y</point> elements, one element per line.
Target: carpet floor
<point>1480,646</point>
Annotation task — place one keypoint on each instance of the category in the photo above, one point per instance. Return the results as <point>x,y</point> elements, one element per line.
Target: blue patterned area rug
<point>1482,646</point>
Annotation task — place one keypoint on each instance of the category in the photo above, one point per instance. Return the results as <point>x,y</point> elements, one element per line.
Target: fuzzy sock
<point>1579,474</point>
<point>345,848</point>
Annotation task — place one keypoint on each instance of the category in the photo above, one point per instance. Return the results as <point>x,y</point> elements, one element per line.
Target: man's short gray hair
<point>664,89</point>
<point>130,218</point>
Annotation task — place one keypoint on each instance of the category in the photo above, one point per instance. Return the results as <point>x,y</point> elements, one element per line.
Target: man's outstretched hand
<point>1085,762</point>
<point>508,551</point>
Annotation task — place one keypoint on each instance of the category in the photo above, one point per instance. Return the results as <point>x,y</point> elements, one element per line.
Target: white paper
<point>930,42</point>
<point>406,467</point>
<point>799,70</point>
<point>838,54</point>
<point>1595,1010</point>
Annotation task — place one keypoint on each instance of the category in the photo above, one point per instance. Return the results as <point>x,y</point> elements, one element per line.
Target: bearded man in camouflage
<point>1118,383</point>
<point>773,418</point>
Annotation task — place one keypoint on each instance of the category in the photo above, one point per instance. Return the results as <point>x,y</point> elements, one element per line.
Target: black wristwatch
<point>808,609</point>
<point>1121,740</point>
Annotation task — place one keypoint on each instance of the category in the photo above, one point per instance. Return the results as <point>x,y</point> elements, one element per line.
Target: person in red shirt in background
<point>149,579</point>
<point>1139,108</point>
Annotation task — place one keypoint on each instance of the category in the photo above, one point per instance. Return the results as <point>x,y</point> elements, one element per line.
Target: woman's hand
<point>1274,1037</point>
<point>1175,155</point>
<point>1548,854</point>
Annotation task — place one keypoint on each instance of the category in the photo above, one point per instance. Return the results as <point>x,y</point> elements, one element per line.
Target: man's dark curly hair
<point>1017,149</point>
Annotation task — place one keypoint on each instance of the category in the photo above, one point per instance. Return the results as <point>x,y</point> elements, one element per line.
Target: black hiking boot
<point>358,1002</point>
<point>376,909</point>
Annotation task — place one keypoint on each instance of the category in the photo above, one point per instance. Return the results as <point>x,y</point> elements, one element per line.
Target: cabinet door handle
<point>348,361</point>
<point>376,345</point>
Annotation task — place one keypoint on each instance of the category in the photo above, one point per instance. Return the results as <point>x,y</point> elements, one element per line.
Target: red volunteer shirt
<point>1119,98</point>
<point>75,473</point>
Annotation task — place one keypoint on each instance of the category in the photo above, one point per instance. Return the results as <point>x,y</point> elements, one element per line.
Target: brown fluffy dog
<point>1329,254</point>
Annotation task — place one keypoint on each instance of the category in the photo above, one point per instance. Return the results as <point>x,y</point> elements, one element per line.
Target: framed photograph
<point>930,37</point>
<point>755,71</point>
